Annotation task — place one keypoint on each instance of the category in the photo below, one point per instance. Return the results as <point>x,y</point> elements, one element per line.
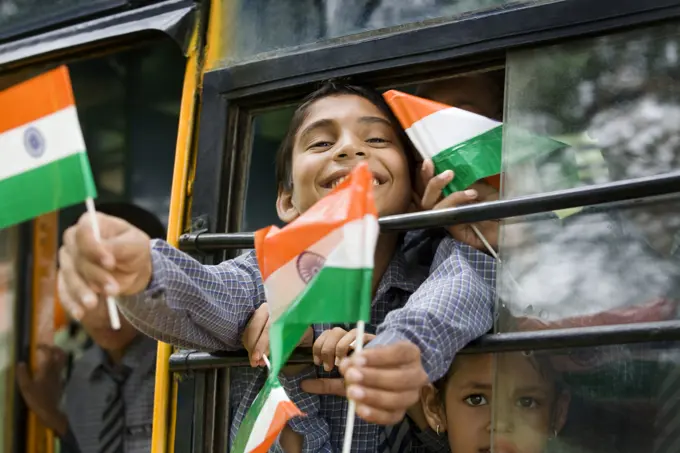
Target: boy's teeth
<point>335,183</point>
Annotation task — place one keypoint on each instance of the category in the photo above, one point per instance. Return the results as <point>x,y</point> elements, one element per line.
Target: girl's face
<point>526,410</point>
<point>338,133</point>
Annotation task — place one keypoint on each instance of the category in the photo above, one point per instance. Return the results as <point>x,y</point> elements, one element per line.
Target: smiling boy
<point>174,298</point>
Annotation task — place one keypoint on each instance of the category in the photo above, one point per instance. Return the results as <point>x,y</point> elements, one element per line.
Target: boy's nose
<point>350,150</point>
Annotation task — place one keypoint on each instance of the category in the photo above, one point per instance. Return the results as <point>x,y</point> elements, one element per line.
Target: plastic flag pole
<point>114,317</point>
<point>493,253</point>
<point>351,406</point>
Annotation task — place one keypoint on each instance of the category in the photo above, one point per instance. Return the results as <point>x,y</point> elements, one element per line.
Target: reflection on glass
<point>259,26</point>
<point>8,257</point>
<point>612,105</point>
<point>613,399</point>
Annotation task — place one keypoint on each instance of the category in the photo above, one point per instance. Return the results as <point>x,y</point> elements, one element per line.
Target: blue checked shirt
<point>203,307</point>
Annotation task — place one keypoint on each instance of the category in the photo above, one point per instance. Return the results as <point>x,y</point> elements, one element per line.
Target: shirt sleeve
<point>452,307</point>
<point>314,428</point>
<point>196,306</point>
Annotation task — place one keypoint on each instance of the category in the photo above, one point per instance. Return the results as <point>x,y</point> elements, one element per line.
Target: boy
<point>173,297</point>
<point>108,399</point>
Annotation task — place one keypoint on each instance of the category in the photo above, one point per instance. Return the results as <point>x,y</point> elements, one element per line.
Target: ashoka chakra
<point>309,264</point>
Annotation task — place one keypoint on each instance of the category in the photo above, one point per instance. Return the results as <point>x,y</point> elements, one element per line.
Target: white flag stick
<point>493,253</point>
<point>114,317</point>
<point>351,406</point>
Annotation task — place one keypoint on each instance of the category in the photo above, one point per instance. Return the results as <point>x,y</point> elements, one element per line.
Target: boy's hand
<point>384,381</point>
<point>334,345</point>
<point>430,188</point>
<point>120,264</point>
<point>42,390</point>
<point>256,336</point>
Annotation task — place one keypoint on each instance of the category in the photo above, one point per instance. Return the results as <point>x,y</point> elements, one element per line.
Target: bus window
<point>8,255</point>
<point>612,104</point>
<point>128,105</point>
<point>269,128</point>
<point>263,25</point>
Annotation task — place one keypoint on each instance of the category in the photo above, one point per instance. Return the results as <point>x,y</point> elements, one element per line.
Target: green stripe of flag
<point>243,435</point>
<point>471,160</point>
<point>335,295</point>
<point>44,189</point>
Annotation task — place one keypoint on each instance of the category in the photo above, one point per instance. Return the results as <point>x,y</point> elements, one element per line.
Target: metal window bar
<point>624,192</point>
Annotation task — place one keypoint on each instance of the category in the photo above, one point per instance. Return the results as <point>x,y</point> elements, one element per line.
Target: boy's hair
<point>284,156</point>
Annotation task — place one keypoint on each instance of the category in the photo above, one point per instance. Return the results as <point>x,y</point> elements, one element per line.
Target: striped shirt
<point>207,307</point>
<point>89,390</point>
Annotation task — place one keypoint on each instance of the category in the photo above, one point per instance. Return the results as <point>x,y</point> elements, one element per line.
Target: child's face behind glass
<point>338,133</point>
<point>527,410</point>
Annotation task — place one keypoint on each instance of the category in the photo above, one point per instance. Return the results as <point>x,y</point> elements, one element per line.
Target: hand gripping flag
<point>318,269</point>
<point>455,139</point>
<point>43,163</point>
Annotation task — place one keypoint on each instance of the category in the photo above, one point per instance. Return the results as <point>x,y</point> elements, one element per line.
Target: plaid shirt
<point>207,307</point>
<point>89,387</point>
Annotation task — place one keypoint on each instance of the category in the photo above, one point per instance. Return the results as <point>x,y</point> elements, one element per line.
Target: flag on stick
<point>44,164</point>
<point>318,269</point>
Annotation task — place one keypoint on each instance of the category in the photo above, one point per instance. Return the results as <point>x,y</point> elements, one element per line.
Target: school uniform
<point>110,407</point>
<point>439,306</point>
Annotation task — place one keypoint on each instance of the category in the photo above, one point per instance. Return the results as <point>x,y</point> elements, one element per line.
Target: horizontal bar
<point>577,337</point>
<point>551,201</point>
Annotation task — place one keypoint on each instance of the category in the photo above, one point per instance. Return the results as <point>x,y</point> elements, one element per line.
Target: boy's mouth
<point>339,176</point>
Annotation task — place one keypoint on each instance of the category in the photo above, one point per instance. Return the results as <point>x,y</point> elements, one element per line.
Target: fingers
<point>86,261</point>
<point>457,199</point>
<point>384,381</point>
<point>348,343</point>
<point>325,386</point>
<point>81,237</point>
<point>324,347</point>
<point>399,354</point>
<point>256,336</point>
<point>425,173</point>
<point>74,293</point>
<point>433,190</point>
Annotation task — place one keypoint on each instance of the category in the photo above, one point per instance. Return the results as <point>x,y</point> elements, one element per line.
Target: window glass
<point>613,399</point>
<point>595,111</point>
<point>16,14</point>
<point>8,261</point>
<point>257,26</point>
<point>128,105</point>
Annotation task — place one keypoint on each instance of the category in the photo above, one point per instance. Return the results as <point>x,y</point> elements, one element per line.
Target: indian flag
<point>44,165</point>
<point>455,139</point>
<point>318,269</point>
<point>265,419</point>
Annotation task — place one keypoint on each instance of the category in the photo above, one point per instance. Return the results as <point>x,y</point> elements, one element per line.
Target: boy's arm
<point>192,305</point>
<point>451,308</point>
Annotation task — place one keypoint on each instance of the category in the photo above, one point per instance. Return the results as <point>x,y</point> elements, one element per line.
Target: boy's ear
<point>561,411</point>
<point>433,408</point>
<point>284,206</point>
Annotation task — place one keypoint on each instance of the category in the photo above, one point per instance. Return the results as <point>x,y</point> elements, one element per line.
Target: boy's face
<point>97,325</point>
<point>476,94</point>
<point>526,412</point>
<point>338,133</point>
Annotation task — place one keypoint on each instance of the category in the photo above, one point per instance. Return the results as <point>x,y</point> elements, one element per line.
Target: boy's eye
<point>377,140</point>
<point>321,144</point>
<point>527,402</point>
<point>476,400</point>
